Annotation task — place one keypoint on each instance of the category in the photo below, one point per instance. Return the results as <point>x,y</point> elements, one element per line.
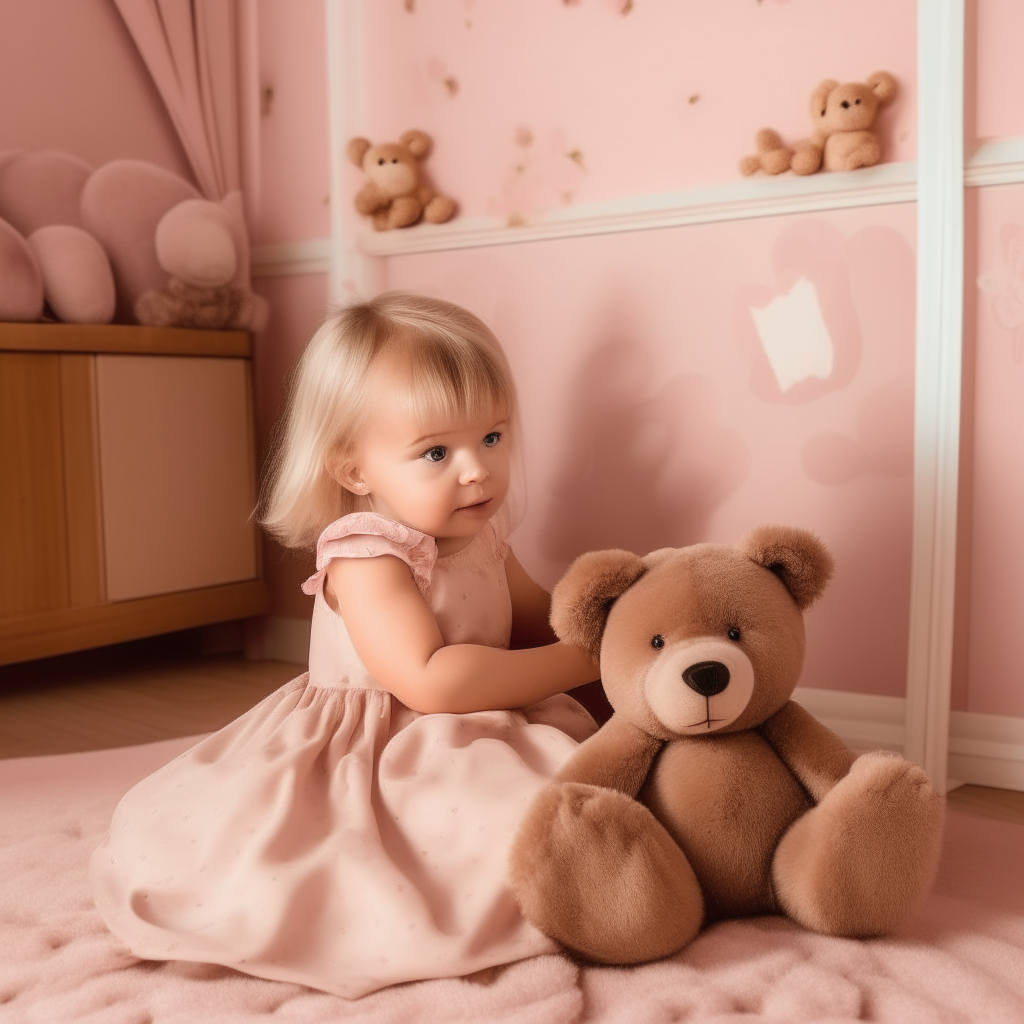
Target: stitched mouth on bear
<point>699,685</point>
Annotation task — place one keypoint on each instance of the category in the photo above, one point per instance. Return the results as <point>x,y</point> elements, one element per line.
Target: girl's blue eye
<point>436,454</point>
<point>492,439</point>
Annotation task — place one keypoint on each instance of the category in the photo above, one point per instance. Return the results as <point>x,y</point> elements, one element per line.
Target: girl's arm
<point>396,636</point>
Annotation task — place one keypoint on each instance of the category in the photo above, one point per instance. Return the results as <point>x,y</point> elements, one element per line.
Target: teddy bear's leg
<point>439,210</point>
<point>405,210</point>
<point>859,863</point>
<point>595,870</point>
<point>860,150</point>
<point>807,159</point>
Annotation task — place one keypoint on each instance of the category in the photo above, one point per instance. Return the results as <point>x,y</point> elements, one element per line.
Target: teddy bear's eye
<point>733,633</point>
<point>857,102</point>
<point>823,113</point>
<point>382,161</point>
<point>657,642</point>
<point>394,159</point>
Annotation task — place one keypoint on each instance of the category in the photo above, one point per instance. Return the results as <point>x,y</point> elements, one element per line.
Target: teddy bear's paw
<point>862,150</point>
<point>806,160</point>
<point>859,863</point>
<point>439,210</point>
<point>405,210</point>
<point>594,869</point>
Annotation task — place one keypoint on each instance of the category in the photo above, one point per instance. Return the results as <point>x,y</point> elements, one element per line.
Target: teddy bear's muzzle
<point>707,678</point>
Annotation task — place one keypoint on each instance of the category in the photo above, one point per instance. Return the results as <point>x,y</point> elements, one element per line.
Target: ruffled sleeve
<point>369,535</point>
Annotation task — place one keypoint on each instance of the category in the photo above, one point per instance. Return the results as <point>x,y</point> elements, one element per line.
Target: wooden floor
<point>167,687</point>
<point>133,693</point>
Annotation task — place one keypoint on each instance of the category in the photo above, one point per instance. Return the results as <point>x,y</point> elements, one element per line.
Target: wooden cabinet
<point>127,480</point>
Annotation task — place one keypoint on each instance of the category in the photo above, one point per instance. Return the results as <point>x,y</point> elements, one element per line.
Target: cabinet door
<point>33,533</point>
<point>177,473</point>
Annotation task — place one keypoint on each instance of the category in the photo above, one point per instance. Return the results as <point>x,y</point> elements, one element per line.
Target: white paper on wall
<point>794,336</point>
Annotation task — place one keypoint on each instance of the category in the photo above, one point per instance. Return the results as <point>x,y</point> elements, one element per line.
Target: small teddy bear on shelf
<point>395,196</point>
<point>842,140</point>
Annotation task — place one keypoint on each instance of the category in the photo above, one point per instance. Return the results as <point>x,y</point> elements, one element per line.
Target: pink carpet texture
<point>960,960</point>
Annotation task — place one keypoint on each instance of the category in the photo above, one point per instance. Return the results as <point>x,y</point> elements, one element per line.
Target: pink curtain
<point>202,56</point>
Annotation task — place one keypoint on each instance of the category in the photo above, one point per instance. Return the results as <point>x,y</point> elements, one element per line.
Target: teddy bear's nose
<point>707,677</point>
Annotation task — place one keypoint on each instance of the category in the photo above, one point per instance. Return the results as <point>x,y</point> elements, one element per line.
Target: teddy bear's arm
<point>370,198</point>
<point>618,756</point>
<point>810,750</point>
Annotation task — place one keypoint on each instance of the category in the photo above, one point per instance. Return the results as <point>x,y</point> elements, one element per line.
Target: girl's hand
<point>396,636</point>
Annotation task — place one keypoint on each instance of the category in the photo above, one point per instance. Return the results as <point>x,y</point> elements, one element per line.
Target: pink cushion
<point>195,242</point>
<point>21,283</point>
<point>122,203</point>
<point>37,189</point>
<point>77,279</point>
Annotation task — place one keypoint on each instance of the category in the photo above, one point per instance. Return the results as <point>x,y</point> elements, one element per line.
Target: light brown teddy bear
<point>842,138</point>
<point>710,794</point>
<point>395,196</point>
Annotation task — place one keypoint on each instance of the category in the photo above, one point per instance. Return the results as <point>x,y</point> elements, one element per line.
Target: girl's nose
<point>473,471</point>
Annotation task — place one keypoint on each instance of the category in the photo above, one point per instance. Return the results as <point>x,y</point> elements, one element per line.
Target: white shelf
<point>995,163</point>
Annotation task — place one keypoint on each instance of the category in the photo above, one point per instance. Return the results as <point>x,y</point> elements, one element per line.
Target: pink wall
<point>651,416</point>
<point>294,164</point>
<point>72,80</point>
<point>995,29</point>
<point>667,96</point>
<point>991,677</point>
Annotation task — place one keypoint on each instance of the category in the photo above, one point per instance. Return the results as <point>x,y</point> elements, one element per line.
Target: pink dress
<point>331,836</point>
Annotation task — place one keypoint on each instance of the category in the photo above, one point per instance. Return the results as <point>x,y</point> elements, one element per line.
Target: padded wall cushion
<point>77,280</point>
<point>122,203</point>
<point>21,283</point>
<point>195,242</point>
<point>37,189</point>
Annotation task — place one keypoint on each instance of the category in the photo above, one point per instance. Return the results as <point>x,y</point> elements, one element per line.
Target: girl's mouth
<point>481,508</point>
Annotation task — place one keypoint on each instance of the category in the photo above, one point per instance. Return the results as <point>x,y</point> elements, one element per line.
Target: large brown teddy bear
<point>842,140</point>
<point>395,196</point>
<point>709,793</point>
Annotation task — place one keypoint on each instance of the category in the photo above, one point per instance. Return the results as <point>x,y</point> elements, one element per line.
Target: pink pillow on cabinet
<point>77,280</point>
<point>21,283</point>
<point>37,189</point>
<point>195,242</point>
<point>122,203</point>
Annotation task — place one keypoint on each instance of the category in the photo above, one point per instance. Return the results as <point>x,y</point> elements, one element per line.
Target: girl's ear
<point>346,472</point>
<point>582,597</point>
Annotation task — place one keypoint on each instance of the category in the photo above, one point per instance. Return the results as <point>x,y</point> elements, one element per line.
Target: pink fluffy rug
<point>962,958</point>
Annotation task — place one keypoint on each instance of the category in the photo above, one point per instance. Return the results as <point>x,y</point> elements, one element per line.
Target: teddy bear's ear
<point>820,96</point>
<point>582,597</point>
<point>883,85</point>
<point>356,150</point>
<point>797,557</point>
<point>418,143</point>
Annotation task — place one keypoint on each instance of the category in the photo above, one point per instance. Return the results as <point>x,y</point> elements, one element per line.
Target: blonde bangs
<point>452,381</point>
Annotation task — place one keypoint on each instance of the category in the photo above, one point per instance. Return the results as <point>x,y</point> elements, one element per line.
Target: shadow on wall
<point>647,460</point>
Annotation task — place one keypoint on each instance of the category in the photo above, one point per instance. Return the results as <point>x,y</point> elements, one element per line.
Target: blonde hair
<point>455,360</point>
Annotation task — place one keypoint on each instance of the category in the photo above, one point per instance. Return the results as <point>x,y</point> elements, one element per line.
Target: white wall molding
<point>995,163</point>
<point>309,257</point>
<point>938,360</point>
<point>862,721</point>
<point>987,750</point>
<point>351,274</point>
<point>737,200</point>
